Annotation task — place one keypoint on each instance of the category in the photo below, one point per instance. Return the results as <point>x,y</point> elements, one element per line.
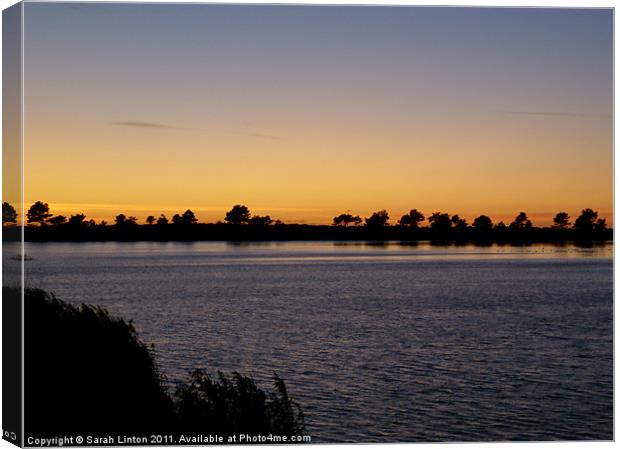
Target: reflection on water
<point>378,342</point>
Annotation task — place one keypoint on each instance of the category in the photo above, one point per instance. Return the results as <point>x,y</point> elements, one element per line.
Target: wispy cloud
<point>259,135</point>
<point>137,124</point>
<point>558,114</point>
<point>155,125</point>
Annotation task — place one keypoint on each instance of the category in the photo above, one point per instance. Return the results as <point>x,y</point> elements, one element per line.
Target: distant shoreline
<point>295,232</point>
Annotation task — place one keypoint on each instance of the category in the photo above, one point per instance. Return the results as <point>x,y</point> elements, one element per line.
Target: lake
<point>377,342</point>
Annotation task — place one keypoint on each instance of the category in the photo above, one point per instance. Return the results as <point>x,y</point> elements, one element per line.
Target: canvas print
<point>244,224</point>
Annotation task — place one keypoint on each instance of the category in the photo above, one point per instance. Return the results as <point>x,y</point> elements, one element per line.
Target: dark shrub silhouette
<point>346,219</point>
<point>87,372</point>
<point>38,213</point>
<point>286,416</point>
<point>341,220</point>
<point>258,220</point>
<point>238,215</point>
<point>233,405</point>
<point>8,214</point>
<point>150,220</point>
<point>77,220</point>
<point>57,220</point>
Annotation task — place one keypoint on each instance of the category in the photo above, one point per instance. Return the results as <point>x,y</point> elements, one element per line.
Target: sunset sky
<point>304,112</point>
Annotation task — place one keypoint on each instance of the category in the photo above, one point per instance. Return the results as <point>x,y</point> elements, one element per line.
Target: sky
<point>306,112</point>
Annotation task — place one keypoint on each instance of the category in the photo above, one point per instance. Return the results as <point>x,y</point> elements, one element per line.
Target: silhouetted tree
<point>346,219</point>
<point>162,220</point>
<point>123,220</point>
<point>459,223</point>
<point>120,219</point>
<point>412,219</point>
<point>57,220</point>
<point>377,219</point>
<point>600,224</point>
<point>8,214</point>
<point>340,219</point>
<point>189,217</point>
<point>238,215</point>
<point>521,222</point>
<point>483,225</point>
<point>561,220</point>
<point>585,222</point>
<point>500,231</point>
<point>186,218</point>
<point>38,213</point>
<point>77,220</point>
<point>150,220</point>
<point>500,227</point>
<point>257,220</point>
<point>440,223</point>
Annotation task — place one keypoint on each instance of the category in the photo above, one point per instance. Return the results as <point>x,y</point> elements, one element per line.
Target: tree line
<point>588,220</point>
<point>240,224</point>
<point>39,215</point>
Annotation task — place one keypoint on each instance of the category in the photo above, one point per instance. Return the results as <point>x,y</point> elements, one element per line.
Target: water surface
<point>377,342</point>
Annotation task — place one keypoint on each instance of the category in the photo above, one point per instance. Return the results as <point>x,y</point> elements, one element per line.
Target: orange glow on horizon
<point>107,212</point>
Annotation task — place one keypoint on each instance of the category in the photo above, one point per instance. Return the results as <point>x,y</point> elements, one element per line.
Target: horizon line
<point>315,216</point>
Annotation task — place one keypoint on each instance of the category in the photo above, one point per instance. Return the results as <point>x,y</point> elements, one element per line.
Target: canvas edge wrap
<point>12,192</point>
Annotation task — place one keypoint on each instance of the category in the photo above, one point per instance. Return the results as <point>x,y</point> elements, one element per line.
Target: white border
<point>556,4</point>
